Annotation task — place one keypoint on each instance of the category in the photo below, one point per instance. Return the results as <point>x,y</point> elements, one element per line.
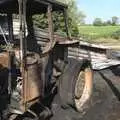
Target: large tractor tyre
<point>76,85</point>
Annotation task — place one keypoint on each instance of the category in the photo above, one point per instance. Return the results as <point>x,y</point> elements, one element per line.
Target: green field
<point>101,34</point>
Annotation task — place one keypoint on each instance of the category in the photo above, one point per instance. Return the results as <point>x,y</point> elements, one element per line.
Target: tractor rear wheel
<point>76,85</point>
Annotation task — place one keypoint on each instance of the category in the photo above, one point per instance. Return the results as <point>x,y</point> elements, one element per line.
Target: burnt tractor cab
<point>35,68</point>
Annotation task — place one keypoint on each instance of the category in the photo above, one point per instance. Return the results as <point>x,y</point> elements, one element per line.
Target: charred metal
<point>35,67</point>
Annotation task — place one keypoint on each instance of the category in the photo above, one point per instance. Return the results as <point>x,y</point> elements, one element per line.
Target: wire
<point>4,35</point>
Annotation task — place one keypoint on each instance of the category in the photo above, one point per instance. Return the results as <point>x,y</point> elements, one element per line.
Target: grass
<point>95,32</point>
<point>99,34</point>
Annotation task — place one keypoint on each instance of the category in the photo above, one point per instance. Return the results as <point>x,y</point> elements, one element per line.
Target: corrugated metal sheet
<point>98,60</point>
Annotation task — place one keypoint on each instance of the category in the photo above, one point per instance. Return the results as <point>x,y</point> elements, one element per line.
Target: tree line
<point>113,21</point>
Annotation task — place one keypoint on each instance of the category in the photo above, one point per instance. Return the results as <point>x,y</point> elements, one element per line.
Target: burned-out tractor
<point>35,67</point>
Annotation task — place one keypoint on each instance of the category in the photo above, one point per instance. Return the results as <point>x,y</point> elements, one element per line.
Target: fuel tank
<point>29,87</point>
<point>33,83</point>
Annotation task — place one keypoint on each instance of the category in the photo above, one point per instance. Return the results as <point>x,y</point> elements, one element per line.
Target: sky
<point>104,9</point>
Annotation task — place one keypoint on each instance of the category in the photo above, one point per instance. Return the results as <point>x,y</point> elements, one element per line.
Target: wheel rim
<point>80,84</point>
<point>83,89</point>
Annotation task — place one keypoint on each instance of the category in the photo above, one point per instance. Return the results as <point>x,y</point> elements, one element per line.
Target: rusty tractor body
<point>34,65</point>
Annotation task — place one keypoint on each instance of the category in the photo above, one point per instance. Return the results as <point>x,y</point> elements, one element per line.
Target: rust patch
<point>4,59</point>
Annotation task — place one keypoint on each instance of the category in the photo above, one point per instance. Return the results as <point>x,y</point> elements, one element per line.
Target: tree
<point>107,23</point>
<point>97,22</point>
<point>115,20</point>
<point>76,17</point>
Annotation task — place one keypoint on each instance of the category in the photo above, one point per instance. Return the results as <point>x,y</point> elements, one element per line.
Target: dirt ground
<point>105,103</point>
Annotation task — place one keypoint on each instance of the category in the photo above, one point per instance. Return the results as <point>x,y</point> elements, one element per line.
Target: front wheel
<point>76,85</point>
